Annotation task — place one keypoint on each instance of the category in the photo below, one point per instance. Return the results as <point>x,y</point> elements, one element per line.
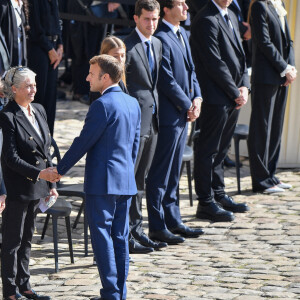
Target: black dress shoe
<point>136,247</point>
<point>214,212</point>
<point>166,236</point>
<point>228,203</point>
<point>187,231</point>
<point>147,242</point>
<point>34,295</point>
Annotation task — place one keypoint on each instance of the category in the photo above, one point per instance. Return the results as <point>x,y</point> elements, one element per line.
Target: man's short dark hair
<point>149,5</point>
<point>165,3</point>
<point>110,65</point>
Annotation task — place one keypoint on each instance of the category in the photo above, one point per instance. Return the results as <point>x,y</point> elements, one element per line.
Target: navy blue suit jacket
<point>177,84</point>
<point>110,137</point>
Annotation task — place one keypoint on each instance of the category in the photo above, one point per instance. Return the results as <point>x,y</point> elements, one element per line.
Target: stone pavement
<point>257,256</point>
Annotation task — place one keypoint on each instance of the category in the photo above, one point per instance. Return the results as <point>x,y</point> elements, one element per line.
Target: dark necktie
<point>150,58</point>
<point>151,65</point>
<point>229,23</point>
<point>180,38</point>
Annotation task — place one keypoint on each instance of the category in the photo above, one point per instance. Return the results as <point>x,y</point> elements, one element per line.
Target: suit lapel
<point>24,122</point>
<point>228,30</point>
<point>141,51</point>
<point>273,11</point>
<point>156,56</point>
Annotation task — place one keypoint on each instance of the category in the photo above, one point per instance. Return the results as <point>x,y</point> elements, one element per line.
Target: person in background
<point>143,60</point>
<point>221,70</point>
<point>26,163</point>
<point>273,70</point>
<point>115,47</point>
<point>45,50</point>
<point>180,100</point>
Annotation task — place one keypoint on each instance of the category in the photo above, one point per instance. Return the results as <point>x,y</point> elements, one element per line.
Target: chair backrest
<point>55,152</point>
<point>55,155</point>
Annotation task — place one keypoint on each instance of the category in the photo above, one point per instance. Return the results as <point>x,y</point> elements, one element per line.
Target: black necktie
<point>229,23</point>
<point>180,38</point>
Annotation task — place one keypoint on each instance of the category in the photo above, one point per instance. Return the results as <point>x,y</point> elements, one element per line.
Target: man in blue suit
<point>110,137</point>
<point>179,100</point>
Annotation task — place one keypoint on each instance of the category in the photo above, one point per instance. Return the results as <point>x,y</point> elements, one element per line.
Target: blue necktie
<point>151,65</point>
<point>150,58</point>
<point>231,27</point>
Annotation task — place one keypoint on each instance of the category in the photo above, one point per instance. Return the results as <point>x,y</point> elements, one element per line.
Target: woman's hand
<point>53,192</point>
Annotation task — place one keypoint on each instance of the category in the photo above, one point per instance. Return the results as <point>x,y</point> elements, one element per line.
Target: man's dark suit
<point>220,67</point>
<point>24,155</point>
<point>272,52</point>
<point>177,87</point>
<point>143,87</point>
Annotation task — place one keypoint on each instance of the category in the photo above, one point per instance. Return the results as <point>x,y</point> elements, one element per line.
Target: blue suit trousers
<point>163,178</point>
<point>108,218</point>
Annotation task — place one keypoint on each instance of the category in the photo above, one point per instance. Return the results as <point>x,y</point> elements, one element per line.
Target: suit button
<point>37,162</point>
<point>191,90</point>
<point>33,151</point>
<point>49,134</point>
<point>45,160</point>
<point>31,138</point>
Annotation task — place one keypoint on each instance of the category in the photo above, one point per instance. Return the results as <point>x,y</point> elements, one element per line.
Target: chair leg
<point>79,214</point>
<point>55,242</point>
<point>85,230</point>
<point>45,226</point>
<point>68,225</point>
<point>237,162</point>
<point>189,174</point>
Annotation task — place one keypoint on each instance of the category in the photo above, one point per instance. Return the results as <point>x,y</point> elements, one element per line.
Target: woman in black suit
<point>272,72</point>
<point>115,47</point>
<point>25,159</point>
<point>14,24</point>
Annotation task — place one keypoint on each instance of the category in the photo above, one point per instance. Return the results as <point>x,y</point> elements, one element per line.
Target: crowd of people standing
<point>144,91</point>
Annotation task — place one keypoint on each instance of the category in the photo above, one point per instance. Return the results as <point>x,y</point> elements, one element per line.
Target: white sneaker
<point>285,186</point>
<point>274,189</point>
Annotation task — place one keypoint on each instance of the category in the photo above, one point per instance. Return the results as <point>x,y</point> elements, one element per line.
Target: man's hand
<point>290,76</point>
<point>50,174</point>
<point>59,52</point>
<point>2,203</point>
<point>247,34</point>
<point>243,98</point>
<point>194,111</point>
<point>112,6</point>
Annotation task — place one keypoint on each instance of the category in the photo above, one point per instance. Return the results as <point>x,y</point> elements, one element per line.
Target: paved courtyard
<point>257,256</point>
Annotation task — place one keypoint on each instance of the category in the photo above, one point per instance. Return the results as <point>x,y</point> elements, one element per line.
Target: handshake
<point>50,174</point>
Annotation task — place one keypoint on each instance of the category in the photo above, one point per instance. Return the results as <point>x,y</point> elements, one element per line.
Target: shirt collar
<point>222,11</point>
<point>142,37</point>
<point>172,27</point>
<point>113,85</point>
<point>25,110</point>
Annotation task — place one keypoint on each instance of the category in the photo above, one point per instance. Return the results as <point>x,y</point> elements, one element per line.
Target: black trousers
<point>216,124</point>
<point>17,231</point>
<point>46,77</point>
<point>142,166</point>
<point>266,123</point>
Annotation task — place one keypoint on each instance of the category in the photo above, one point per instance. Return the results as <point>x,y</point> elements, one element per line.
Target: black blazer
<point>139,80</point>
<point>8,25</point>
<point>24,154</point>
<point>218,56</point>
<point>272,49</point>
